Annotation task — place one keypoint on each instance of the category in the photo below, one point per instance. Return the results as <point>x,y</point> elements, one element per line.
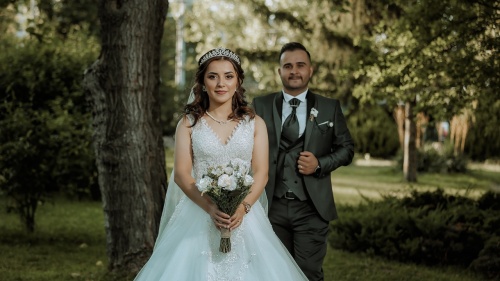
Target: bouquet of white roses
<point>227,186</point>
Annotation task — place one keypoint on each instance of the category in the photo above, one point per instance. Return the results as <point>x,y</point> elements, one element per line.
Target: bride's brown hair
<point>201,102</point>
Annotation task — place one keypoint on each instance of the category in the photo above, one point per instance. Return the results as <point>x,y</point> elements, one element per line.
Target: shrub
<point>488,261</point>
<point>45,139</point>
<point>431,227</point>
<point>489,200</point>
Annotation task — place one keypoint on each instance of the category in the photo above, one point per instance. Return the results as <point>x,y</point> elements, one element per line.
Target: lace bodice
<point>209,149</point>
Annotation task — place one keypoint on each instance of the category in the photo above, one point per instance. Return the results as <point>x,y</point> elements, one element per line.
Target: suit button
<point>284,179</point>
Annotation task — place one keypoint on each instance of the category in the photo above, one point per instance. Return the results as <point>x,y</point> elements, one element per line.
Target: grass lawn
<point>69,243</point>
<point>352,183</point>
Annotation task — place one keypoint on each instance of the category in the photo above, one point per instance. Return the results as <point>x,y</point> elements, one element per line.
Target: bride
<point>218,127</point>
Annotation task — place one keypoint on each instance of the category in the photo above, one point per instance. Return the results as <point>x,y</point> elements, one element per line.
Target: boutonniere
<point>313,114</point>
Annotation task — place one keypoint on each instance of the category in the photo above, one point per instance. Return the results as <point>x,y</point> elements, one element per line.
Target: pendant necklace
<point>218,121</point>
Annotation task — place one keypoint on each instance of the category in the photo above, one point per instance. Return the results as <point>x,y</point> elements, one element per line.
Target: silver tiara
<point>220,52</point>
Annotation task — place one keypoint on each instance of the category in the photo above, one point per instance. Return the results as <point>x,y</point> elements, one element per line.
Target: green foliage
<point>437,160</point>
<point>257,29</point>
<point>488,261</point>
<point>443,53</point>
<point>430,227</point>
<point>491,201</point>
<point>483,137</point>
<point>374,131</point>
<point>44,126</point>
<point>427,49</point>
<point>173,97</point>
<point>64,15</point>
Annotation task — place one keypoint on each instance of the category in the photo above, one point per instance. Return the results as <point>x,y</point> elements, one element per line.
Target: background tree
<point>257,29</point>
<point>331,30</point>
<point>44,125</point>
<point>63,15</point>
<point>123,89</point>
<point>174,96</point>
<point>483,138</point>
<point>426,47</point>
<point>436,58</point>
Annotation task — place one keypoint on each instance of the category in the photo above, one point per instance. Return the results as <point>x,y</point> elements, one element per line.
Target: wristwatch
<point>317,171</point>
<point>247,206</point>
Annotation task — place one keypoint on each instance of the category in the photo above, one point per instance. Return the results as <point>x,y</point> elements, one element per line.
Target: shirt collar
<point>301,96</point>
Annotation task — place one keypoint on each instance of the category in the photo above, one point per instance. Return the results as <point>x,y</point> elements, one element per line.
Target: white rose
<point>204,183</point>
<point>224,181</point>
<point>234,184</point>
<point>248,180</point>
<point>314,112</point>
<point>228,170</point>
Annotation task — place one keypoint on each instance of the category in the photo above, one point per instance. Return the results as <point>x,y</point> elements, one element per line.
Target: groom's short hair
<point>292,46</point>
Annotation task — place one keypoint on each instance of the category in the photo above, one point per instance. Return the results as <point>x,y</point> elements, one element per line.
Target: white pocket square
<point>328,123</point>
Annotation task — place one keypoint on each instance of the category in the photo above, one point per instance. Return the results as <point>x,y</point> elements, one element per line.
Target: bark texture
<point>123,91</point>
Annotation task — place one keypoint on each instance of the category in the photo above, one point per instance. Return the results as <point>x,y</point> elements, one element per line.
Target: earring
<point>203,88</point>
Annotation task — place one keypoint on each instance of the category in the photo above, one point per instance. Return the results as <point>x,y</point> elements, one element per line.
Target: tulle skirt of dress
<point>189,250</point>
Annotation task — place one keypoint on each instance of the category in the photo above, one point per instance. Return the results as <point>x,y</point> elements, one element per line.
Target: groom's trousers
<point>303,232</point>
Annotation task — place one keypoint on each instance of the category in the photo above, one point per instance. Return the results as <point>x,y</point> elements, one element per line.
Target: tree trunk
<point>410,149</point>
<point>123,90</point>
<point>399,117</point>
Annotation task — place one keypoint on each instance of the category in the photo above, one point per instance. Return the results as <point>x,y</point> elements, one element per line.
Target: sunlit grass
<point>353,183</point>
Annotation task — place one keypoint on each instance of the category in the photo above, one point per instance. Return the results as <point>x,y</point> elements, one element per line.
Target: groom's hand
<point>307,163</point>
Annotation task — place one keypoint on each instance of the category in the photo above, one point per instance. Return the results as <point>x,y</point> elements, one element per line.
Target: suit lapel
<point>277,111</point>
<point>311,102</point>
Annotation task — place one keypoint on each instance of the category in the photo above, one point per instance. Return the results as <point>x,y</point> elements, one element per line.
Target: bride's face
<point>221,81</point>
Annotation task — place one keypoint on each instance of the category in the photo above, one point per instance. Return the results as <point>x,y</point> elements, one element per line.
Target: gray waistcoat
<point>288,177</point>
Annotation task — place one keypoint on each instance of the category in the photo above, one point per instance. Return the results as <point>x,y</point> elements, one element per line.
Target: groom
<point>308,139</point>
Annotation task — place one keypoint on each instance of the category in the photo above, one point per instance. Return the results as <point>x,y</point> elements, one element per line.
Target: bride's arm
<point>260,168</point>
<point>183,166</point>
<point>260,161</point>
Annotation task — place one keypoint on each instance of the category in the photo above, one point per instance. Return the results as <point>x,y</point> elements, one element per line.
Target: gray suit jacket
<point>326,136</point>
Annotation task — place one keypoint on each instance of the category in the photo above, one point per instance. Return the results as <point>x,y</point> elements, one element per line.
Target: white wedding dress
<point>188,246</point>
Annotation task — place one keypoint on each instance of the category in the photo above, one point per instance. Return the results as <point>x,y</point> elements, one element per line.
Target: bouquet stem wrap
<point>225,240</point>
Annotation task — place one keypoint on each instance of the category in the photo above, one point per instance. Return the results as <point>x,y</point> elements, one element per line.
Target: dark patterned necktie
<point>290,129</point>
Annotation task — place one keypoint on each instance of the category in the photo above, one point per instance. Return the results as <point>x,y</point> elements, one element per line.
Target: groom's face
<point>295,71</point>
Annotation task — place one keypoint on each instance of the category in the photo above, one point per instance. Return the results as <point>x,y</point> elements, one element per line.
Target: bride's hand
<point>220,219</point>
<point>237,218</point>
